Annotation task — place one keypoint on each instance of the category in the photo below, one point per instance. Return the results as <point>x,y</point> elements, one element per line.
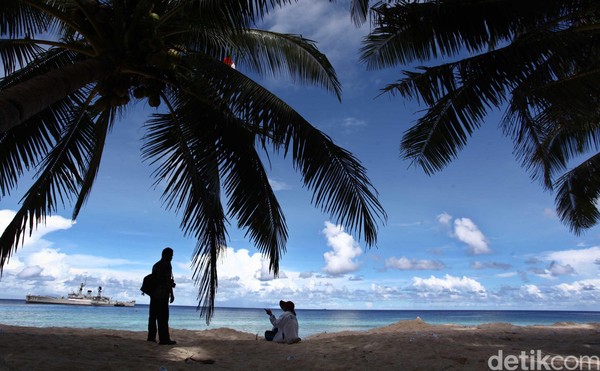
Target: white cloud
<point>448,286</point>
<point>45,270</point>
<point>580,288</point>
<point>353,122</point>
<point>265,274</point>
<point>507,274</point>
<point>404,263</point>
<point>579,261</point>
<point>345,250</point>
<point>279,186</point>
<point>490,265</point>
<point>52,223</point>
<point>329,24</point>
<point>557,269</point>
<point>242,265</point>
<point>466,231</point>
<point>530,292</point>
<point>32,271</point>
<point>444,218</point>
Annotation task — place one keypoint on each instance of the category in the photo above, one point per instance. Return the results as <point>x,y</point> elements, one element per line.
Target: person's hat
<point>287,306</point>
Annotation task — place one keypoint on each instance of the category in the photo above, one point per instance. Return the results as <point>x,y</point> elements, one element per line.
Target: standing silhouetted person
<point>159,299</point>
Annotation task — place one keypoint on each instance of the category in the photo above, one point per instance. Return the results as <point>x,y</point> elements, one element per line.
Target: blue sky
<point>479,235</point>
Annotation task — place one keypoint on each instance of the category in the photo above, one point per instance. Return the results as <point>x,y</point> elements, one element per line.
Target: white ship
<point>79,298</point>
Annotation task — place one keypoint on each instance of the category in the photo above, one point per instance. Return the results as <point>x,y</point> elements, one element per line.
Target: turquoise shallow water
<point>252,320</point>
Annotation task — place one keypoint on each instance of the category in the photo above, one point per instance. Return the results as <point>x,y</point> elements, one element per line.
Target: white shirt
<point>287,326</point>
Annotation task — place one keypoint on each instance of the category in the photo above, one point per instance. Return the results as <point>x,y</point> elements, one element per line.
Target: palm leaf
<point>187,162</point>
<point>26,145</point>
<point>57,182</point>
<point>19,18</point>
<point>17,53</point>
<point>287,54</point>
<point>102,127</point>
<point>250,197</point>
<point>576,195</point>
<point>419,31</point>
<point>338,181</point>
<point>358,11</point>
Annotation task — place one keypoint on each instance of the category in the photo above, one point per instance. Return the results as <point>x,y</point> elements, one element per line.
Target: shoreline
<point>407,345</point>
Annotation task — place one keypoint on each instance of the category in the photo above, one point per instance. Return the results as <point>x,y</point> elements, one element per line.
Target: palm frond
<point>26,145</point>
<point>556,125</point>
<point>17,53</point>
<point>338,181</point>
<point>459,95</point>
<point>577,193</point>
<point>438,136</point>
<point>250,197</point>
<point>358,11</point>
<point>187,161</point>
<point>551,116</point>
<point>22,148</point>
<point>410,31</point>
<point>272,53</point>
<point>39,92</point>
<point>540,56</point>
<point>19,18</point>
<point>57,182</point>
<point>103,125</point>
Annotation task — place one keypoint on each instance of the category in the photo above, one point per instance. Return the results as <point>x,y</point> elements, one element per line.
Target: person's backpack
<point>149,284</point>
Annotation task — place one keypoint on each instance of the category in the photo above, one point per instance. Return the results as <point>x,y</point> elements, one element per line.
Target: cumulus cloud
<point>29,272</point>
<point>52,223</point>
<point>49,271</point>
<point>588,288</point>
<point>553,270</point>
<point>466,231</point>
<point>573,261</point>
<point>345,250</point>
<point>448,286</point>
<point>557,269</point>
<point>264,274</point>
<point>530,292</point>
<point>404,263</point>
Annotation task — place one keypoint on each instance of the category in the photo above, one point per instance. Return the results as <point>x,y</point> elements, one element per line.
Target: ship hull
<point>38,299</point>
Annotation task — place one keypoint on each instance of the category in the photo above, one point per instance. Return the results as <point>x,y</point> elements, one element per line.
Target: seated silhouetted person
<point>285,328</point>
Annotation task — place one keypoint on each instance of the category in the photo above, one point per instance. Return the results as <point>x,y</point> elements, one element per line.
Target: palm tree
<point>537,59</point>
<point>72,67</point>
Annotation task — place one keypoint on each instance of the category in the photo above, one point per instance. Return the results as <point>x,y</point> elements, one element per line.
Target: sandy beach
<point>406,345</point>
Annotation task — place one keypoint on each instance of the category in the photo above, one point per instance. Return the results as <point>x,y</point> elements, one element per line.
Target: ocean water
<point>255,321</point>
